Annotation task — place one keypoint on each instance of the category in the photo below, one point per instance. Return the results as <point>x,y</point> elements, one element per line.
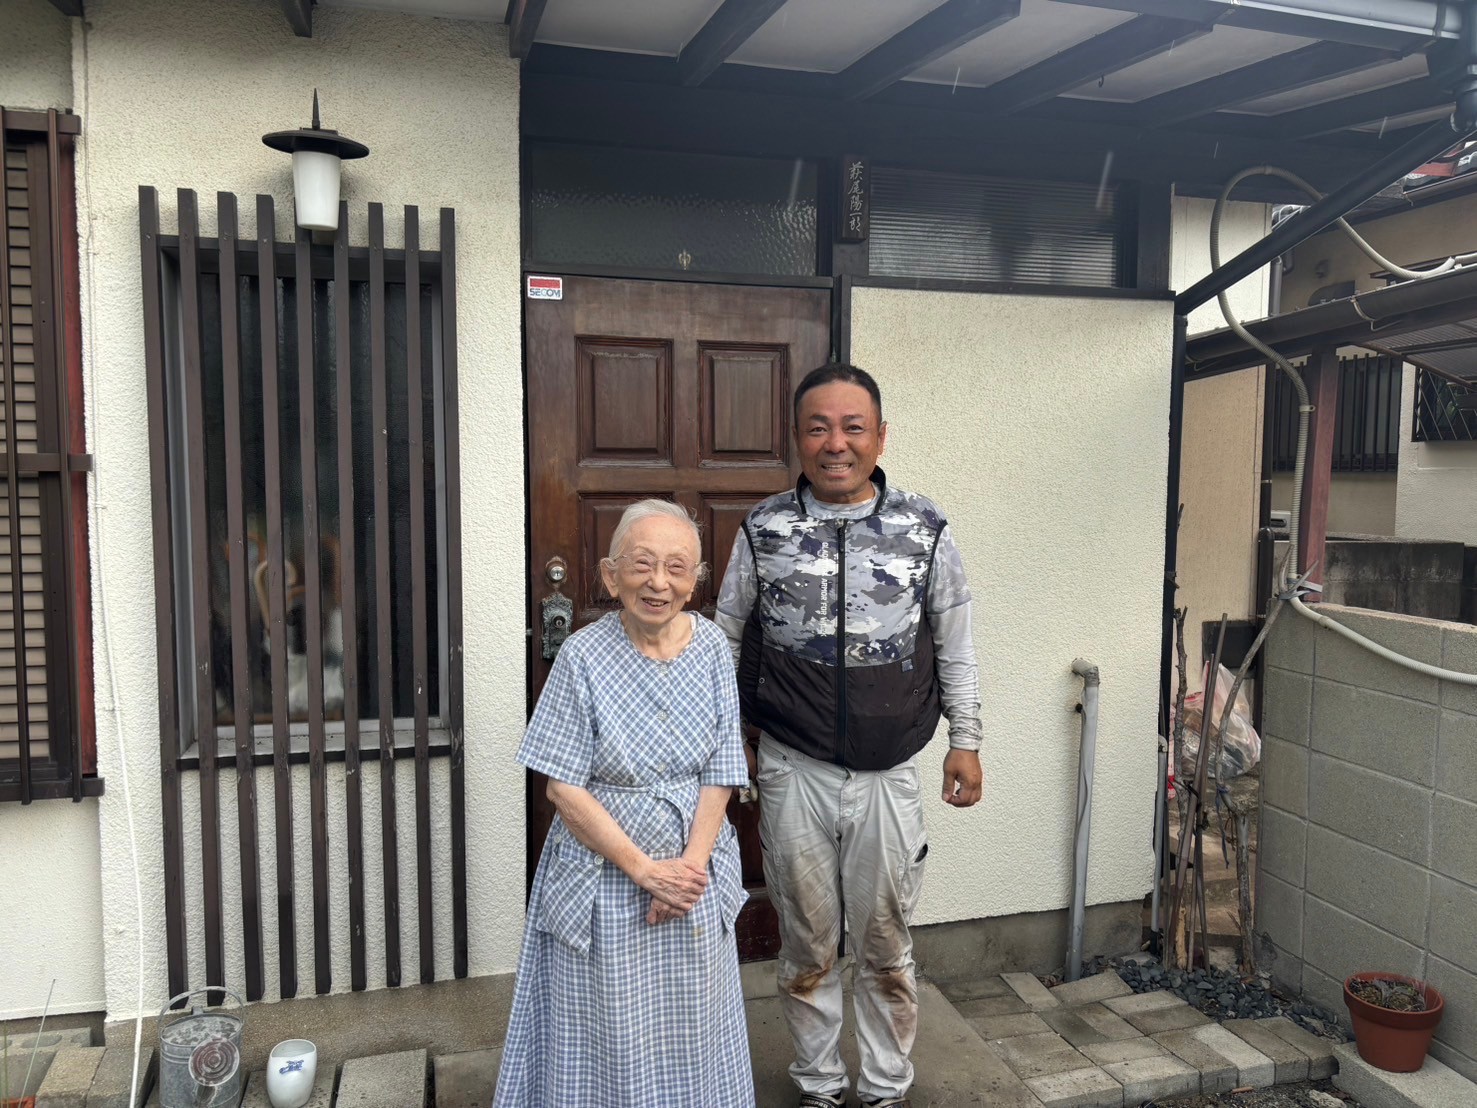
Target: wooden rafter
<point>299,15</point>
<point>725,31</point>
<point>944,29</point>
<point>523,21</point>
<point>1123,46</point>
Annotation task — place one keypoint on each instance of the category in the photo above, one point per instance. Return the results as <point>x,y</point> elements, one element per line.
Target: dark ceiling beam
<point>1123,46</point>
<point>523,21</point>
<point>1297,69</point>
<point>946,28</point>
<point>1260,19</point>
<point>565,100</point>
<point>725,31</point>
<point>299,15</point>
<point>1419,95</point>
<point>68,7</point>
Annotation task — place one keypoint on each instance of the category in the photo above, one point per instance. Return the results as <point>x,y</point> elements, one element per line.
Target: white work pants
<point>846,845</point>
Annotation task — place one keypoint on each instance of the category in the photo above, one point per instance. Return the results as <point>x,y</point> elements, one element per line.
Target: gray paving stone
<point>1091,1023</point>
<point>1008,1027</point>
<point>320,1097</point>
<point>1319,1052</point>
<point>1253,1068</point>
<point>992,1006</point>
<point>1290,1063</point>
<point>52,1040</point>
<point>1090,990</point>
<point>115,1071</point>
<point>1168,1019</point>
<point>69,1078</point>
<point>20,1071</point>
<point>384,1081</point>
<point>1036,996</point>
<point>1084,1088</point>
<point>974,988</point>
<point>1162,1075</point>
<point>1126,1006</point>
<point>1434,1085</point>
<point>1039,1055</point>
<point>1126,1050</point>
<point>1217,1072</point>
<point>468,1078</point>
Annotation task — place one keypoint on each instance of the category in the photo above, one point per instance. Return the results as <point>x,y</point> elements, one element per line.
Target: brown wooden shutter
<point>20,388</point>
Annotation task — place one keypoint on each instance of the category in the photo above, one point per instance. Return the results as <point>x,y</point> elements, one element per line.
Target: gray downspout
<point>1089,674</point>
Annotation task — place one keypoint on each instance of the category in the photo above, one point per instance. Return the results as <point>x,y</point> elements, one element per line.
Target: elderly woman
<point>628,986</point>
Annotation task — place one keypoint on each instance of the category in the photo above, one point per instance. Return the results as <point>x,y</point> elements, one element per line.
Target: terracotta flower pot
<point>1390,1040</point>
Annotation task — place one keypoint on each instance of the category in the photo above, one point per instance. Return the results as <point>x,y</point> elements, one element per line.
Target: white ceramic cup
<point>291,1068</point>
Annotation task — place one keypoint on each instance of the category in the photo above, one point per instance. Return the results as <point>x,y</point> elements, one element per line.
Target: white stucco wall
<point>1056,496</point>
<point>178,95</point>
<point>1437,493</point>
<point>35,55</point>
<point>1220,467</point>
<point>49,863</point>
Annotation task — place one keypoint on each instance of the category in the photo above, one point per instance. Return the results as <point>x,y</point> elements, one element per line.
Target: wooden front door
<point>666,389</point>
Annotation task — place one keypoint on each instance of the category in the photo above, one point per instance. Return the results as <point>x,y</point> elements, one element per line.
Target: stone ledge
<point>1432,1086</point>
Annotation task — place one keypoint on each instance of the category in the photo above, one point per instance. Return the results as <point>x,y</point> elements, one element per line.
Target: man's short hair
<point>844,372</point>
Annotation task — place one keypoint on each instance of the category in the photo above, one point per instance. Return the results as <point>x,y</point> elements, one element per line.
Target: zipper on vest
<point>841,643</point>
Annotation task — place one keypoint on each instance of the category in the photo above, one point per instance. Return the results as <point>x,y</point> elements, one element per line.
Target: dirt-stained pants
<point>845,844</point>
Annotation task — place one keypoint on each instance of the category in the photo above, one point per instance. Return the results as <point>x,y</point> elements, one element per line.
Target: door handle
<point>556,610</point>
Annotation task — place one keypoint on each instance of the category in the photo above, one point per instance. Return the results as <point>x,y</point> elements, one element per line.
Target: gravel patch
<point>1317,1094</point>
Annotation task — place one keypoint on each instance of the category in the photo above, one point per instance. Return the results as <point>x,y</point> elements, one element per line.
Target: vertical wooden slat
<point>379,414</point>
<point>451,452</point>
<point>416,451</point>
<point>276,596</point>
<point>173,820</point>
<point>349,597</point>
<point>66,634</point>
<point>241,715</point>
<point>13,507</point>
<point>1322,378</point>
<point>203,691</point>
<point>307,403</point>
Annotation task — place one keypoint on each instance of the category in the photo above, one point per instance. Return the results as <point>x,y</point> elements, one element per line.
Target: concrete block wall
<point>1368,849</point>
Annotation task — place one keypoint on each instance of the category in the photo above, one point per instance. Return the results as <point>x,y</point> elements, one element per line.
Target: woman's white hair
<point>653,509</point>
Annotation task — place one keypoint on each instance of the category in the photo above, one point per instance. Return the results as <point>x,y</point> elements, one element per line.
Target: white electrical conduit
<point>1289,565</point>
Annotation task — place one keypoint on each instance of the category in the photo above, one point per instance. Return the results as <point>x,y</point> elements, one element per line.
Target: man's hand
<point>964,780</point>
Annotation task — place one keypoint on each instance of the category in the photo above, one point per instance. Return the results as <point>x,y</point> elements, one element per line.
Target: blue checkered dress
<point>610,1011</point>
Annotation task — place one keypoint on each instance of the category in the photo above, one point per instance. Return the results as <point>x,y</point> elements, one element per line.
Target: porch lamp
<point>316,153</point>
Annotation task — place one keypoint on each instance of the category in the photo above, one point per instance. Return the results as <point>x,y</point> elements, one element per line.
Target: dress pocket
<point>728,876</point>
<point>566,906</point>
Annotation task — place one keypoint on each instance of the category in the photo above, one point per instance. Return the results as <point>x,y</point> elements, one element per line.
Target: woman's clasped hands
<point>675,885</point>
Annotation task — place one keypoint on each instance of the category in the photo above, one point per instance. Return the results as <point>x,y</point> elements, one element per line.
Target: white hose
<point>1289,565</point>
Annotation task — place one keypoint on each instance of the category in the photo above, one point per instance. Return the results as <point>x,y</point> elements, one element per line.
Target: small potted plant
<point>1394,1019</point>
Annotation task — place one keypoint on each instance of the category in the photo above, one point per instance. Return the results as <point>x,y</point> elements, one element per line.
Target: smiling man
<point>848,611</point>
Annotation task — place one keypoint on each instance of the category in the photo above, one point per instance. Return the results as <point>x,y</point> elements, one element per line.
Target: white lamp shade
<point>315,180</point>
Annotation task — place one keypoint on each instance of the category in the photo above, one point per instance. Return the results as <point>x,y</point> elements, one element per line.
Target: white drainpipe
<point>1089,674</point>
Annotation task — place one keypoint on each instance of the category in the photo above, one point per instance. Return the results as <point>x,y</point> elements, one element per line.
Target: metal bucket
<point>200,1054</point>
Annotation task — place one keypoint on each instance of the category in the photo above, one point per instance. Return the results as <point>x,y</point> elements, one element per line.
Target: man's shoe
<point>889,1102</point>
<point>822,1100</point>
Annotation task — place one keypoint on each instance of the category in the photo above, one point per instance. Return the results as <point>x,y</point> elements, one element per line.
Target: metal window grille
<point>1444,410</point>
<point>1366,426</point>
<point>305,466</point>
<point>961,227</point>
<point>47,741</point>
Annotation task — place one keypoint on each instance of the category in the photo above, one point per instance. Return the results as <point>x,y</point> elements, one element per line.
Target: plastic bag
<point>1242,748</point>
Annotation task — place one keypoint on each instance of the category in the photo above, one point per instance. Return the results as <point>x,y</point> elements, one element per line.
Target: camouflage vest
<point>852,684</point>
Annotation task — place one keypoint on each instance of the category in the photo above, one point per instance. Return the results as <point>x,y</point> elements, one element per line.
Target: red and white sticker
<point>546,288</point>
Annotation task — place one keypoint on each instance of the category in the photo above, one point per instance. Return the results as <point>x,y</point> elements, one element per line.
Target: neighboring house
<point>309,505</point>
<point>1404,464</point>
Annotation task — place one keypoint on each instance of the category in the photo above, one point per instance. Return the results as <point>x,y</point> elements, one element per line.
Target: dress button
<point>662,715</point>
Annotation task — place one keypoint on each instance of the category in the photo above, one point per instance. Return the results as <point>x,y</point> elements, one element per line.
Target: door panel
<point>651,388</point>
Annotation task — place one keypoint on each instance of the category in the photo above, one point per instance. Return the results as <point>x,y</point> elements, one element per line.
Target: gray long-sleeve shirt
<point>949,616</point>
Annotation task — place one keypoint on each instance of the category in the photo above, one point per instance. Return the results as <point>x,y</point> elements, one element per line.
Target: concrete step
<point>467,1078</point>
<point>1432,1086</point>
<point>384,1081</point>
